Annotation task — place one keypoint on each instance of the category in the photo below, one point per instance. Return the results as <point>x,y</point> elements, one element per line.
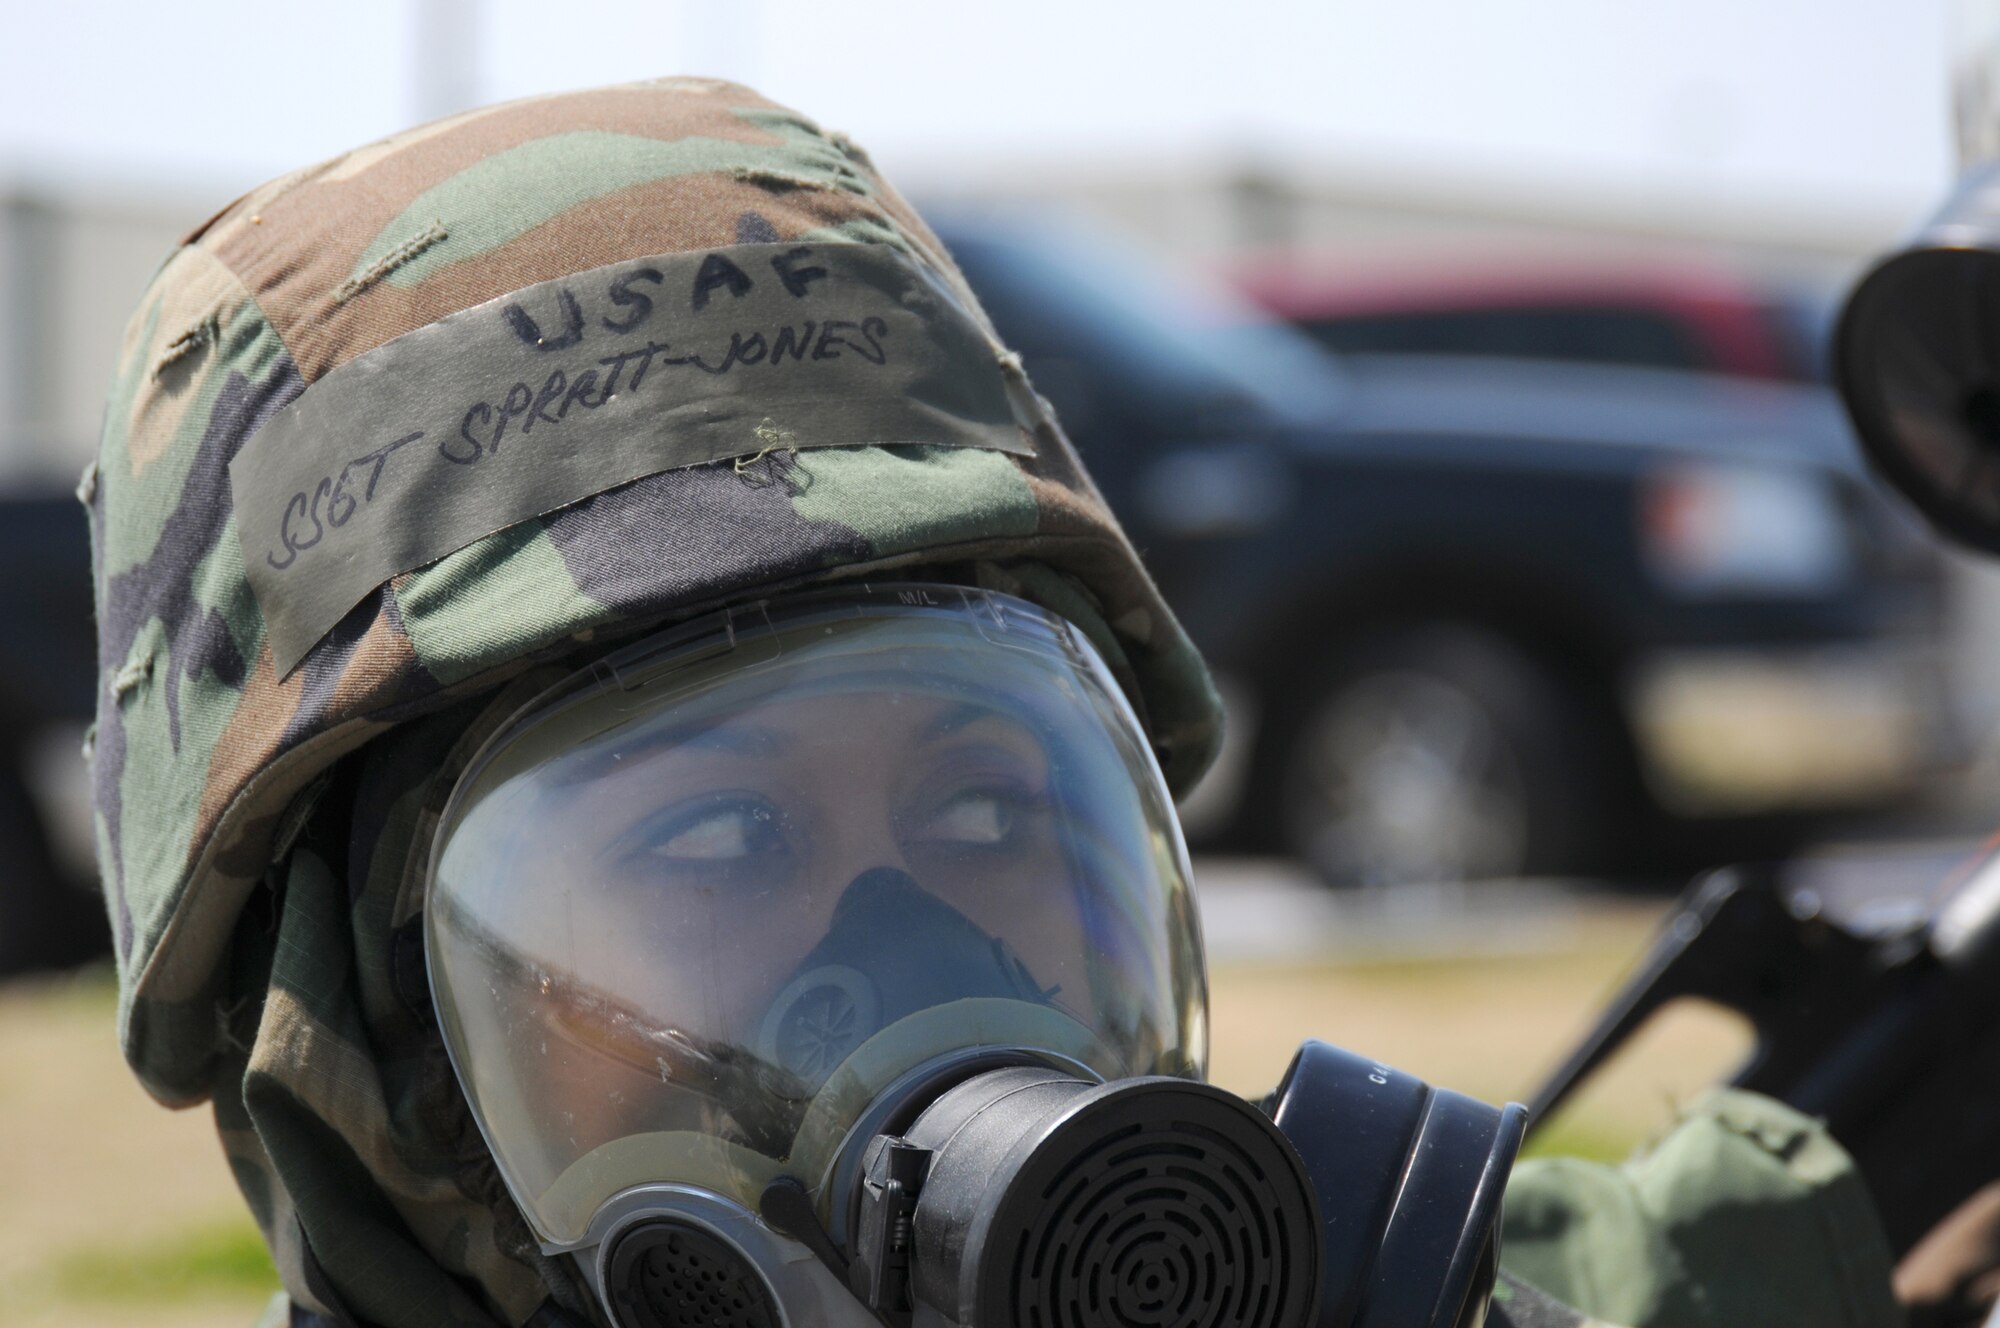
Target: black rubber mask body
<point>1021,1195</point>
<point>892,949</point>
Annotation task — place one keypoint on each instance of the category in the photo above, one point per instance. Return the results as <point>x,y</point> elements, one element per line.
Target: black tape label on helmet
<point>543,397</point>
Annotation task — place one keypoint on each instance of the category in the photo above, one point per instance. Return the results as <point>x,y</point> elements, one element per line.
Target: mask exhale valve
<point>1026,1196</point>
<point>668,1272</point>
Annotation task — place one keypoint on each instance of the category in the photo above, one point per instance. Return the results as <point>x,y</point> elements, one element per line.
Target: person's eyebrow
<point>721,735</point>
<point>737,739</point>
<point>960,716</point>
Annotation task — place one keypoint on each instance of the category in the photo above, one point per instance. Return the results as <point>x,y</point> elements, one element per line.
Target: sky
<point>1704,104</point>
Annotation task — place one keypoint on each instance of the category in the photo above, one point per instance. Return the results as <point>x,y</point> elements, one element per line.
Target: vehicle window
<point>1589,335</point>
<point>1091,320</point>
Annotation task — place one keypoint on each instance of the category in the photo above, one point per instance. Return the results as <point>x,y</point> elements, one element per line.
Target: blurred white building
<point>72,266</point>
<point>74,261</point>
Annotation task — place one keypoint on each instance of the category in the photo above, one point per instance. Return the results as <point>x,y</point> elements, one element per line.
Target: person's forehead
<point>872,715</point>
<point>786,727</point>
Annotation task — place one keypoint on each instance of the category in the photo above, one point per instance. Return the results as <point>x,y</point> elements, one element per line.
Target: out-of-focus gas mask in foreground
<point>833,961</point>
<point>1917,349</point>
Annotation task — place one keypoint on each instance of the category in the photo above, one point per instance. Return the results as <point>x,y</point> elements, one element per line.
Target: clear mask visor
<point>693,910</point>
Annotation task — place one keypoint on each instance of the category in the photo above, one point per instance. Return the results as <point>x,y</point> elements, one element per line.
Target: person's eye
<point>719,832</point>
<point>975,817</point>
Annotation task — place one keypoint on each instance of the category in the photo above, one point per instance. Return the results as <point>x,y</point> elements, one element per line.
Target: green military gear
<point>265,892</point>
<point>334,1095</point>
<point>203,740</point>
<point>1745,1214</point>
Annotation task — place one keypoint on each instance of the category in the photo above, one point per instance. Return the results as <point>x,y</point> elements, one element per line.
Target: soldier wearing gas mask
<point>636,772</point>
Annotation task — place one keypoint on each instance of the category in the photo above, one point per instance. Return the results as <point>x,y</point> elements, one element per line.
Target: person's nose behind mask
<point>893,949</point>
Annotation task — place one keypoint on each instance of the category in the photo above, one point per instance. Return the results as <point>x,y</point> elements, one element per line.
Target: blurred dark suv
<point>51,915</point>
<point>1478,616</point>
<point>1473,616</point>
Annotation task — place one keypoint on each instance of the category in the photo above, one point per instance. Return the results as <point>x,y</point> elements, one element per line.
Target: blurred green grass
<point>123,1213</point>
<point>1598,1143</point>
<point>215,1272</point>
<point>219,1258</point>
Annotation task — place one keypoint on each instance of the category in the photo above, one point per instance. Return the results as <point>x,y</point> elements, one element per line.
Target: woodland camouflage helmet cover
<point>261,947</point>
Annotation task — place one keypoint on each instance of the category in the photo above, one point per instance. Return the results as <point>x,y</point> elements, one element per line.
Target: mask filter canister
<point>1026,1196</point>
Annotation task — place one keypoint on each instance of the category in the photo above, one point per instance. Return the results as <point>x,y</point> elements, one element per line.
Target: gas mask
<point>1916,350</point>
<point>832,961</point>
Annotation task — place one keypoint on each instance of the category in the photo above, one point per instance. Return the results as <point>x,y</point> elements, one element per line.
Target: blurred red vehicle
<point>1660,315</point>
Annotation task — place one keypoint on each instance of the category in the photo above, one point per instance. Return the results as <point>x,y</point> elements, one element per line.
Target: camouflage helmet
<point>227,706</point>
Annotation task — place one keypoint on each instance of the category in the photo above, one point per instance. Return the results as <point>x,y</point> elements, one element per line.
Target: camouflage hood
<point>290,565</point>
